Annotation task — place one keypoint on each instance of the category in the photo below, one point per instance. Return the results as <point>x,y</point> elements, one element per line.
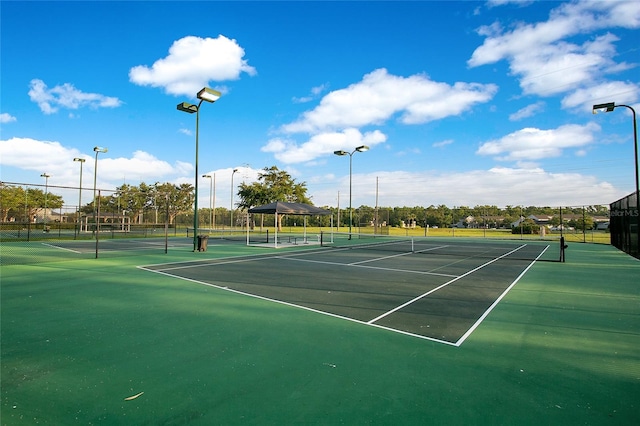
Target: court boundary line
<point>61,248</point>
<point>396,255</point>
<point>357,265</point>
<point>282,302</point>
<point>415,299</point>
<point>495,303</point>
<point>214,261</point>
<point>371,323</point>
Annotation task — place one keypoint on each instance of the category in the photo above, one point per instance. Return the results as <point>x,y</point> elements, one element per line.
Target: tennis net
<point>239,235</point>
<point>515,250</point>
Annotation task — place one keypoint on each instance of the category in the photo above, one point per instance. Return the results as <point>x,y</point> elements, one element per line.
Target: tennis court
<point>423,288</point>
<point>103,341</point>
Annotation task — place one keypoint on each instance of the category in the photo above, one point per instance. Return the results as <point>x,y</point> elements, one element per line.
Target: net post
<point>563,246</point>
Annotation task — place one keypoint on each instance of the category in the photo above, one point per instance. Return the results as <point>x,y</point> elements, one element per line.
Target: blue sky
<point>461,103</point>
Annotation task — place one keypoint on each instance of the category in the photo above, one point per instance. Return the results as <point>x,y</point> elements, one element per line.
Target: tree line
<point>166,201</point>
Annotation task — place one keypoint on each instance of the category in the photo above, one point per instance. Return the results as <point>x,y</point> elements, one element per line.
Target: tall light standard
<point>210,199</point>
<point>361,148</point>
<point>608,107</point>
<point>213,203</point>
<point>209,95</point>
<point>46,191</point>
<point>97,150</point>
<point>232,173</point>
<point>81,161</point>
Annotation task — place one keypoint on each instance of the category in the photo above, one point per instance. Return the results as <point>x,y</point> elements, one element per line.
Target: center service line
<point>442,286</point>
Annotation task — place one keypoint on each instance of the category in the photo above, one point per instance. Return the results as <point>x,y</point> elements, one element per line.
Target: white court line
<point>60,248</point>
<point>396,255</point>
<point>494,304</point>
<point>228,262</point>
<point>415,299</point>
<point>358,265</point>
<point>298,306</point>
<point>369,323</point>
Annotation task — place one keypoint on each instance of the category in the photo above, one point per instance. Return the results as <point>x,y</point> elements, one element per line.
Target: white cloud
<point>527,111</point>
<point>186,132</point>
<point>566,20</point>
<point>380,95</point>
<point>622,92</point>
<point>518,186</point>
<point>442,144</point>
<point>290,152</point>
<point>315,91</point>
<point>7,118</point>
<point>334,124</point>
<point>50,100</point>
<point>546,63</point>
<point>57,160</point>
<point>145,166</point>
<point>192,63</point>
<point>408,151</point>
<point>564,66</point>
<point>536,144</point>
<point>495,3</point>
<point>14,151</point>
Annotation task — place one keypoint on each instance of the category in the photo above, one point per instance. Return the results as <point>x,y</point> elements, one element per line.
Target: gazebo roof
<point>280,207</point>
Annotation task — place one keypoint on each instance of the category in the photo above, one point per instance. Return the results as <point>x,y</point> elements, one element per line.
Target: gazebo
<point>281,208</point>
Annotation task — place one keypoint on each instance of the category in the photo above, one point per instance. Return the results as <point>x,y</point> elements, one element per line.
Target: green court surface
<point>246,335</point>
<point>440,291</point>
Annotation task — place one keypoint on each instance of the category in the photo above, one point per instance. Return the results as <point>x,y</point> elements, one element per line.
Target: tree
<point>527,226</point>
<point>174,199</point>
<point>133,199</point>
<point>272,185</point>
<point>15,201</point>
<point>11,198</point>
<point>582,223</point>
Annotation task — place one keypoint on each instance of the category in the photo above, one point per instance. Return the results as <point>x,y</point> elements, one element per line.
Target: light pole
<point>81,161</point>
<point>97,150</point>
<point>361,148</point>
<point>46,191</point>
<point>232,173</point>
<point>213,203</point>
<point>608,107</point>
<point>209,95</point>
<point>210,199</point>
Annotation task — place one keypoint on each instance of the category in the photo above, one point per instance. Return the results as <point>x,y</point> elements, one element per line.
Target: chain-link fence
<point>625,224</point>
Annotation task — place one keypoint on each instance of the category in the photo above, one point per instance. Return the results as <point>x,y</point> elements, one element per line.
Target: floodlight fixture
<point>187,107</point>
<point>96,212</point>
<point>361,148</point>
<point>608,107</point>
<point>209,95</point>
